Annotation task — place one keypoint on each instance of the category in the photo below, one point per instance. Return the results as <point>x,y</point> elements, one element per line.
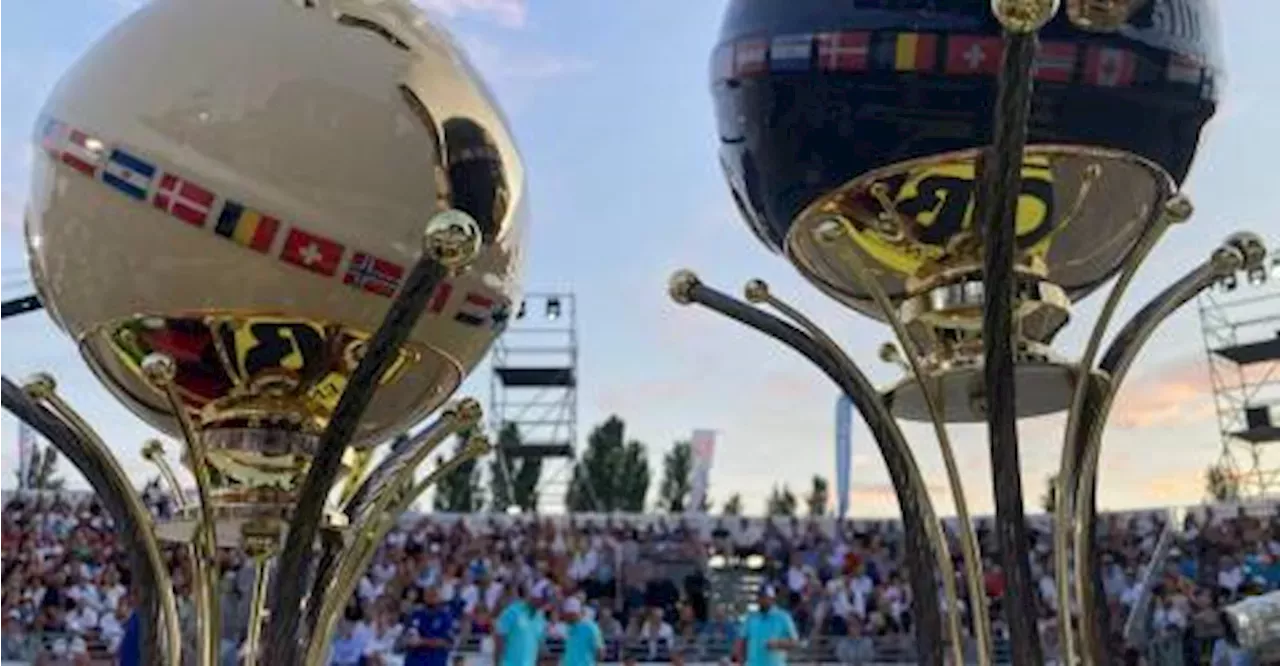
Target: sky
<point>610,106</point>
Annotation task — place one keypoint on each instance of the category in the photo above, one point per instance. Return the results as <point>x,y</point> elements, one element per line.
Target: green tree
<point>460,491</point>
<point>782,502</point>
<point>819,497</point>
<point>732,506</point>
<point>1221,484</point>
<point>612,473</point>
<point>525,487</point>
<point>677,464</point>
<point>1049,499</point>
<point>513,480</point>
<point>42,470</point>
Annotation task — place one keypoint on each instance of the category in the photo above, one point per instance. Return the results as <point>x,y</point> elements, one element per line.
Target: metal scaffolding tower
<point>534,387</point>
<point>1241,327</point>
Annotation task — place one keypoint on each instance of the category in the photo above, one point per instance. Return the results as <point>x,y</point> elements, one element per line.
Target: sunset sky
<point>610,105</point>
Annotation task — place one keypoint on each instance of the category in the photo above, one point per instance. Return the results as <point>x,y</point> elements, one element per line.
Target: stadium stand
<point>665,588</point>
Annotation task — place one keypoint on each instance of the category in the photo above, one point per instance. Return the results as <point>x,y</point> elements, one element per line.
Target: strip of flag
<point>703,449</point>
<point>750,57</point>
<point>82,152</point>
<point>312,252</point>
<point>915,52</point>
<point>1110,68</point>
<point>843,51</point>
<point>246,226</point>
<point>472,318</point>
<point>969,54</point>
<point>1055,61</point>
<point>1183,69</point>
<point>373,274</point>
<point>183,199</point>
<point>129,174</point>
<point>722,62</point>
<point>440,297</point>
<point>844,453</point>
<point>791,53</point>
<point>51,136</point>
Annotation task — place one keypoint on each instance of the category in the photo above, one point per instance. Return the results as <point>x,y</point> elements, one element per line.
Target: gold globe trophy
<point>850,159</point>
<point>281,233</point>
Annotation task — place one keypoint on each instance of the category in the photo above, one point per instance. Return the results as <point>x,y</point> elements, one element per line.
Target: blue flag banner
<point>844,452</point>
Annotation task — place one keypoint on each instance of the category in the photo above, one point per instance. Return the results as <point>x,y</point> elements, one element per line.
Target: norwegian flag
<point>750,57</point>
<point>843,51</point>
<point>1056,61</point>
<point>1110,68</point>
<point>184,200</point>
<point>373,274</point>
<point>83,152</point>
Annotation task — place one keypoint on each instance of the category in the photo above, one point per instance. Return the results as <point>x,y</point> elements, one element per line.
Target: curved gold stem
<point>160,370</point>
<point>153,452</point>
<point>1175,210</point>
<point>360,465</point>
<point>168,601</point>
<point>371,532</point>
<point>758,291</point>
<point>257,610</point>
<point>968,541</point>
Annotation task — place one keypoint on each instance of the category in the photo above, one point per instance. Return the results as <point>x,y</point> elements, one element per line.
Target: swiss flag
<point>967,54</point>
<point>312,252</point>
<point>1110,68</point>
<point>843,51</point>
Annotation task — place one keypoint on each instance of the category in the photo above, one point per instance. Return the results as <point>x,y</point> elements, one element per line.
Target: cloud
<point>507,13</point>
<point>1178,394</point>
<point>499,62</point>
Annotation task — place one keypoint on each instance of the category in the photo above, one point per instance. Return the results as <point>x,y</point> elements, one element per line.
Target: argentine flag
<point>128,174</point>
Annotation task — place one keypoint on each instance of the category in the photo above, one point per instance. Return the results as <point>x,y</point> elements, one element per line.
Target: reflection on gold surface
<point>249,370</point>
<point>1079,212</point>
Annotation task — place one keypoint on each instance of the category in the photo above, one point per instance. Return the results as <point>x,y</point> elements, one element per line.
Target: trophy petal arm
<point>161,634</point>
<point>921,526</point>
<point>451,241</point>
<point>1238,252</point>
<point>355,559</point>
<point>385,482</point>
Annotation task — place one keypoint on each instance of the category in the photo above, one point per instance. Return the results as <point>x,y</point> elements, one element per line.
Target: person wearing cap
<point>431,633</point>
<point>583,644</point>
<point>767,633</point>
<point>519,632</point>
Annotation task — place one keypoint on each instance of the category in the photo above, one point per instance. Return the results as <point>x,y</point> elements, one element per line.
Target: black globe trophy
<point>964,172</point>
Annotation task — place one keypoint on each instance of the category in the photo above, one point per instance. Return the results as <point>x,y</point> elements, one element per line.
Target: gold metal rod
<point>257,610</point>
<point>153,452</point>
<point>98,449</point>
<point>358,468</point>
<point>369,536</point>
<point>1239,251</point>
<point>968,541</point>
<point>757,290</point>
<point>1175,209</point>
<point>160,371</point>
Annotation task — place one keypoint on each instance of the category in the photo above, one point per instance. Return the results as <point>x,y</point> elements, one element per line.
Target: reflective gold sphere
<point>244,186</point>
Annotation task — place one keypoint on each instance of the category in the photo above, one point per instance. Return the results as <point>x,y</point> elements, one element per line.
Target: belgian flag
<point>247,227</point>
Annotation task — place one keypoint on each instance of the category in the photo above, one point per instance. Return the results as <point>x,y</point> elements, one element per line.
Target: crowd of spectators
<point>647,581</point>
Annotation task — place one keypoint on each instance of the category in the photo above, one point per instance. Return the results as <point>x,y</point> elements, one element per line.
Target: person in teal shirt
<point>767,633</point>
<point>583,644</point>
<point>519,632</point>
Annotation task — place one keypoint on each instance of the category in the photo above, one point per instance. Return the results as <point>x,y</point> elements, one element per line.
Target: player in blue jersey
<point>520,630</point>
<point>583,644</point>
<point>767,634</point>
<point>431,633</point>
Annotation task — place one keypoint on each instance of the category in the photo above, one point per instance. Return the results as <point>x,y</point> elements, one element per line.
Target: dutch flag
<point>128,174</point>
